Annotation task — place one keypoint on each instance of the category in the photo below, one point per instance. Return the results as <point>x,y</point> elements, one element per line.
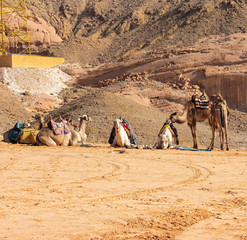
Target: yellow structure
<point>19,34</point>
<point>17,60</point>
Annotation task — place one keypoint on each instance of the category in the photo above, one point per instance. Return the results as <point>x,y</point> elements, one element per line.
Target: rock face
<point>162,38</point>
<point>214,68</point>
<point>107,30</point>
<point>41,34</point>
<point>233,86</point>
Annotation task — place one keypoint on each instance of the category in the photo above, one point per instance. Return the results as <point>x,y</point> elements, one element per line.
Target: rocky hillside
<point>96,31</point>
<point>203,40</point>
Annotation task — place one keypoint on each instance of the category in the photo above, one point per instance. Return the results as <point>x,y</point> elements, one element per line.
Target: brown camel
<point>218,119</point>
<point>191,114</point>
<point>47,137</point>
<point>74,138</point>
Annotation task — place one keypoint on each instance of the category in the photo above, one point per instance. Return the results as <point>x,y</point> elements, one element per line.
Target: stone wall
<point>233,86</point>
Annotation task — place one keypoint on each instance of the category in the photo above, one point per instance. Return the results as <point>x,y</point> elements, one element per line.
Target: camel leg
<point>47,141</point>
<point>211,146</point>
<point>193,132</point>
<point>212,126</point>
<point>127,144</point>
<point>226,136</point>
<point>114,143</point>
<point>74,143</point>
<point>221,135</point>
<point>66,143</point>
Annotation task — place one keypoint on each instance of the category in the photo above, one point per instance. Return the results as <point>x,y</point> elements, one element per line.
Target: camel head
<point>173,117</point>
<point>117,124</point>
<point>85,118</point>
<point>220,96</point>
<point>163,141</point>
<point>40,118</point>
<point>215,98</point>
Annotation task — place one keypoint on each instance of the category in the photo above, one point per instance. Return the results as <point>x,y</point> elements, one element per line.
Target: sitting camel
<point>192,114</point>
<point>79,136</point>
<point>218,119</point>
<point>121,138</point>
<point>47,137</point>
<point>167,138</point>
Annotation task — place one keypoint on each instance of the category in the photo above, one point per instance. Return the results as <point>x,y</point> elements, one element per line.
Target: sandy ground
<point>98,192</point>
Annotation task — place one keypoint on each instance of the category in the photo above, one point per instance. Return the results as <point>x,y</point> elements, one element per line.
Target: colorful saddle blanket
<point>171,127</point>
<point>59,128</point>
<point>128,129</point>
<point>202,103</point>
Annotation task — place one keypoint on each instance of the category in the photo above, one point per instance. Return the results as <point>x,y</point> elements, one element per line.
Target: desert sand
<point>100,192</point>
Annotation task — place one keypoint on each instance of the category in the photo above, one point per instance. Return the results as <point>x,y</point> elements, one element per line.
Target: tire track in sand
<point>200,174</point>
<point>117,169</point>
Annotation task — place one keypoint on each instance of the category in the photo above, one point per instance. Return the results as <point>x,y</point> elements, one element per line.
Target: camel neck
<point>181,118</point>
<point>82,126</point>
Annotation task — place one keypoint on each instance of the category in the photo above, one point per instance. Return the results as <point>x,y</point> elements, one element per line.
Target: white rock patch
<point>35,80</point>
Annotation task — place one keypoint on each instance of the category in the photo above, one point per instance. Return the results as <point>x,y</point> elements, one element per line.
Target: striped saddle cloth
<point>202,103</point>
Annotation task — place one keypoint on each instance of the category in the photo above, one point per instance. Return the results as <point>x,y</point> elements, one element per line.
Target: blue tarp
<point>193,149</point>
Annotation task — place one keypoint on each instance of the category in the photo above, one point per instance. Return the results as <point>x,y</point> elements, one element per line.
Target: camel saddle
<point>59,128</point>
<point>201,102</point>
<point>169,125</point>
<point>28,135</point>
<point>128,129</point>
<point>15,132</point>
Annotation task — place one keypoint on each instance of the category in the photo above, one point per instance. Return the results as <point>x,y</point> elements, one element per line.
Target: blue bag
<point>15,132</point>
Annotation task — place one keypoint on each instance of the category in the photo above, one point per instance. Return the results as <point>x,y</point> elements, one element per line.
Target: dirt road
<point>98,192</point>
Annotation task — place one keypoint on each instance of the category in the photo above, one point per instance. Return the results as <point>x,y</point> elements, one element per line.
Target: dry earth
<point>99,193</point>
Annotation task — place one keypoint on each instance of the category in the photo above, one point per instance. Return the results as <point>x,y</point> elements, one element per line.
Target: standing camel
<point>80,136</point>
<point>218,119</point>
<point>191,114</point>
